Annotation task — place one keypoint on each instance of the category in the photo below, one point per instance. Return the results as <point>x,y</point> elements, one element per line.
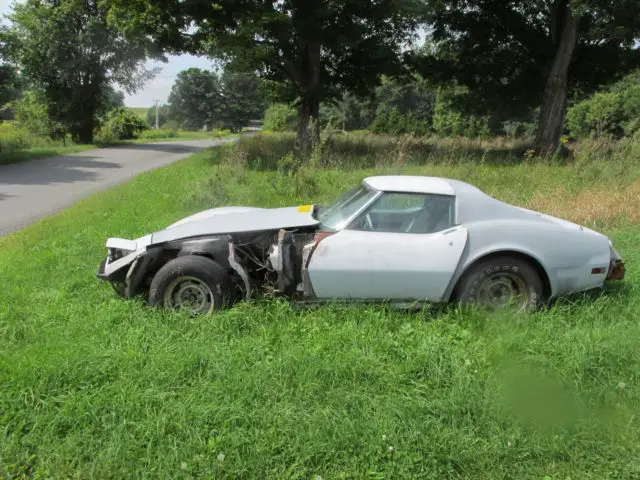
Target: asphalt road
<point>33,190</point>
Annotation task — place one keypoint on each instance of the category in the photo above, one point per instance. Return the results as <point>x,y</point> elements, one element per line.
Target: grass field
<point>97,387</point>
<point>140,111</point>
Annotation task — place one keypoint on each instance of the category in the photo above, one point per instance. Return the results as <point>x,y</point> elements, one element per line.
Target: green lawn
<point>97,387</point>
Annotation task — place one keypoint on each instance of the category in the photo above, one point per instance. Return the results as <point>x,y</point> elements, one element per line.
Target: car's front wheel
<point>194,284</point>
<point>501,282</point>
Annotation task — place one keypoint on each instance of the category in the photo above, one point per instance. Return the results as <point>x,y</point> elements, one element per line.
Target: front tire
<point>193,283</point>
<point>501,282</point>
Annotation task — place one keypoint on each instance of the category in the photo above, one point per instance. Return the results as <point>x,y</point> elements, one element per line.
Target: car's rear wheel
<point>194,284</point>
<point>501,282</point>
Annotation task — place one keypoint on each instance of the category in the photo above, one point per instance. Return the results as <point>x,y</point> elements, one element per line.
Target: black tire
<point>500,282</point>
<point>195,277</point>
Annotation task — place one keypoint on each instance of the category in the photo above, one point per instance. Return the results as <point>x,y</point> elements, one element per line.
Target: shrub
<point>32,116</point>
<point>216,133</point>
<point>600,115</point>
<point>391,121</point>
<point>280,118</point>
<point>381,121</point>
<point>153,134</point>
<point>448,121</point>
<point>631,110</point>
<point>13,139</point>
<point>122,124</point>
<point>614,112</point>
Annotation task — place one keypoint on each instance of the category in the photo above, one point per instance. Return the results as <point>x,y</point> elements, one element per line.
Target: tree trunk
<point>86,132</point>
<point>554,102</point>
<point>309,112</point>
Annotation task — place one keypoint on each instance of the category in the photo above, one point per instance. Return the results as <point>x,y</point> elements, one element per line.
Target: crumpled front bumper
<point>617,267</point>
<point>127,271</point>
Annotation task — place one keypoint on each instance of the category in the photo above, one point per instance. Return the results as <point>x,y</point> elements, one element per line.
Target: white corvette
<point>402,239</point>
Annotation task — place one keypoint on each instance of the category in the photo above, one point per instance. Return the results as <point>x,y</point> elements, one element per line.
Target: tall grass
<point>597,183</point>
<point>97,387</point>
<point>338,150</point>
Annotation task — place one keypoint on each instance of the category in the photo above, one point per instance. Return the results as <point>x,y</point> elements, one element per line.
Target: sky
<point>160,86</point>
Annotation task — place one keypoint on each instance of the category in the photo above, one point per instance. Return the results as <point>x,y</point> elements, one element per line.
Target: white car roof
<point>411,184</point>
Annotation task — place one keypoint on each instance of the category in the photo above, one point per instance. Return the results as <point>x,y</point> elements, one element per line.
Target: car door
<point>388,259</point>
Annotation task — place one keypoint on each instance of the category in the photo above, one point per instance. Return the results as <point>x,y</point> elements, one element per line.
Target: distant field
<point>140,111</point>
<point>97,387</point>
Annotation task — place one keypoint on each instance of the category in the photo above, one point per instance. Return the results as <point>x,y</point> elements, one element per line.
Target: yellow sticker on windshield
<point>305,208</point>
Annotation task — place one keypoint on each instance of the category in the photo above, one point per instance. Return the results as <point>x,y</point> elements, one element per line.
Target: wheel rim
<point>502,290</point>
<point>190,294</point>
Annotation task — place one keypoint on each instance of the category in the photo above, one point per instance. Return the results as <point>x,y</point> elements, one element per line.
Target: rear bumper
<point>616,271</point>
<point>617,268</point>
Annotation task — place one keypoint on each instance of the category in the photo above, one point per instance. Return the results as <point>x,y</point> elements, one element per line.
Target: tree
<point>196,99</point>
<point>316,49</point>
<point>242,99</point>
<point>526,53</point>
<point>11,82</point>
<point>66,49</point>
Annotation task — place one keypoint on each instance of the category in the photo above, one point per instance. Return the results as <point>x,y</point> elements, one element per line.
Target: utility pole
<point>157,102</point>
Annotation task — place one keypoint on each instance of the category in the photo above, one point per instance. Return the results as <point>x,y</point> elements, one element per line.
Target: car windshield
<point>345,207</point>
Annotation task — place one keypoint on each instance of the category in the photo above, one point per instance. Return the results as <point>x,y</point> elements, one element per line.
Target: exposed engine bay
<point>259,262</point>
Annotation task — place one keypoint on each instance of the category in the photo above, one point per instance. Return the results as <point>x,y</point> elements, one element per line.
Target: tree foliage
<point>113,98</point>
<point>66,49</point>
<point>196,99</point>
<point>242,99</point>
<point>202,98</point>
<point>314,49</point>
<point>521,54</point>
<point>11,84</point>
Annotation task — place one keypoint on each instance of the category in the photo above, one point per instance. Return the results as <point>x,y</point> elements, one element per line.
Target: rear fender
<point>470,258</point>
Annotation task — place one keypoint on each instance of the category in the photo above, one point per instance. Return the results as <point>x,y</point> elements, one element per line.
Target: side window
<point>407,213</point>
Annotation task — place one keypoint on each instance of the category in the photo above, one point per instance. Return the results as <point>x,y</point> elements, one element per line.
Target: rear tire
<point>501,282</point>
<point>192,283</point>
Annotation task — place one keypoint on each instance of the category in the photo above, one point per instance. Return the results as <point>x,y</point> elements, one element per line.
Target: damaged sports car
<point>404,239</point>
